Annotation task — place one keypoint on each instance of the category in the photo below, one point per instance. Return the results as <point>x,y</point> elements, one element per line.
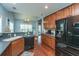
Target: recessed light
<point>46,7</point>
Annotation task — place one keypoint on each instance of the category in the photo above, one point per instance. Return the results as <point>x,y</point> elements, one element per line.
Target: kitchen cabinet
<point>76,8</point>
<point>59,14</point>
<point>48,40</point>
<point>15,48</point>
<point>53,19</point>
<point>66,12</point>
<point>49,22</point>
<point>71,10</point>
<point>48,44</point>
<point>45,22</point>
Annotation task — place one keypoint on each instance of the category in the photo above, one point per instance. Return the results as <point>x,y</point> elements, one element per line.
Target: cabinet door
<point>58,15</point>
<point>73,10</point>
<point>17,46</point>
<point>45,22</point>
<point>66,12</point>
<point>76,8</point>
<point>14,48</point>
<point>61,14</point>
<point>53,21</point>
<point>20,45</point>
<point>48,22</point>
<point>70,11</point>
<point>53,43</point>
<point>44,25</point>
<point>49,42</point>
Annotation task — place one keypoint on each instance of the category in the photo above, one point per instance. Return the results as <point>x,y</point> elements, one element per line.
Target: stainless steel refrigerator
<point>67,31</point>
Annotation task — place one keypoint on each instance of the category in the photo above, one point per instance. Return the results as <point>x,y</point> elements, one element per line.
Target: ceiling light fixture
<point>46,7</point>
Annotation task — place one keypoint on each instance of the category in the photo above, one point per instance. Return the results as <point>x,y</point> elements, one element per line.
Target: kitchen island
<point>48,44</point>
<point>12,46</point>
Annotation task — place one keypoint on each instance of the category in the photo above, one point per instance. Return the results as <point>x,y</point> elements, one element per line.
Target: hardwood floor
<point>42,50</point>
<point>38,50</point>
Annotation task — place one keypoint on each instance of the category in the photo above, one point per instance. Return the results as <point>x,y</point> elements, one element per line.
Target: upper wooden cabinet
<point>53,19</point>
<point>71,10</point>
<point>76,8</point>
<point>59,14</point>
<point>49,22</point>
<point>66,12</point>
<point>45,22</point>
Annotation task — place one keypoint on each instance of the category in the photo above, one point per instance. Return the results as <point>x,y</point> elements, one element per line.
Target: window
<point>11,26</point>
<point>26,27</point>
<point>39,29</point>
<point>0,24</point>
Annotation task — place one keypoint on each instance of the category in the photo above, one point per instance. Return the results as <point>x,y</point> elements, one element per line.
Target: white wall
<point>35,27</point>
<point>5,14</point>
<point>17,25</point>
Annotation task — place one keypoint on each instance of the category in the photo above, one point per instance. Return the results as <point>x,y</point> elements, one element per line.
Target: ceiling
<point>33,10</point>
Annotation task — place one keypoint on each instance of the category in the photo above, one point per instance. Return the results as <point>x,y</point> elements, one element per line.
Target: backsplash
<point>8,35</point>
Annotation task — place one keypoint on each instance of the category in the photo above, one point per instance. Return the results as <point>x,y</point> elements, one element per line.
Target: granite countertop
<point>4,43</point>
<point>12,38</point>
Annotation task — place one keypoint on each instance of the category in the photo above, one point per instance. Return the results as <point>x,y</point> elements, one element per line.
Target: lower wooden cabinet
<point>48,40</point>
<point>15,48</point>
<point>48,44</point>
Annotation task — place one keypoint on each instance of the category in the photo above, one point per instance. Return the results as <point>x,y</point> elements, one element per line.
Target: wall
<point>17,24</point>
<point>5,14</point>
<point>35,27</point>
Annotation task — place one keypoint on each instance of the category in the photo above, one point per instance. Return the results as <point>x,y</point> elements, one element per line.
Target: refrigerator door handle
<point>69,33</point>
